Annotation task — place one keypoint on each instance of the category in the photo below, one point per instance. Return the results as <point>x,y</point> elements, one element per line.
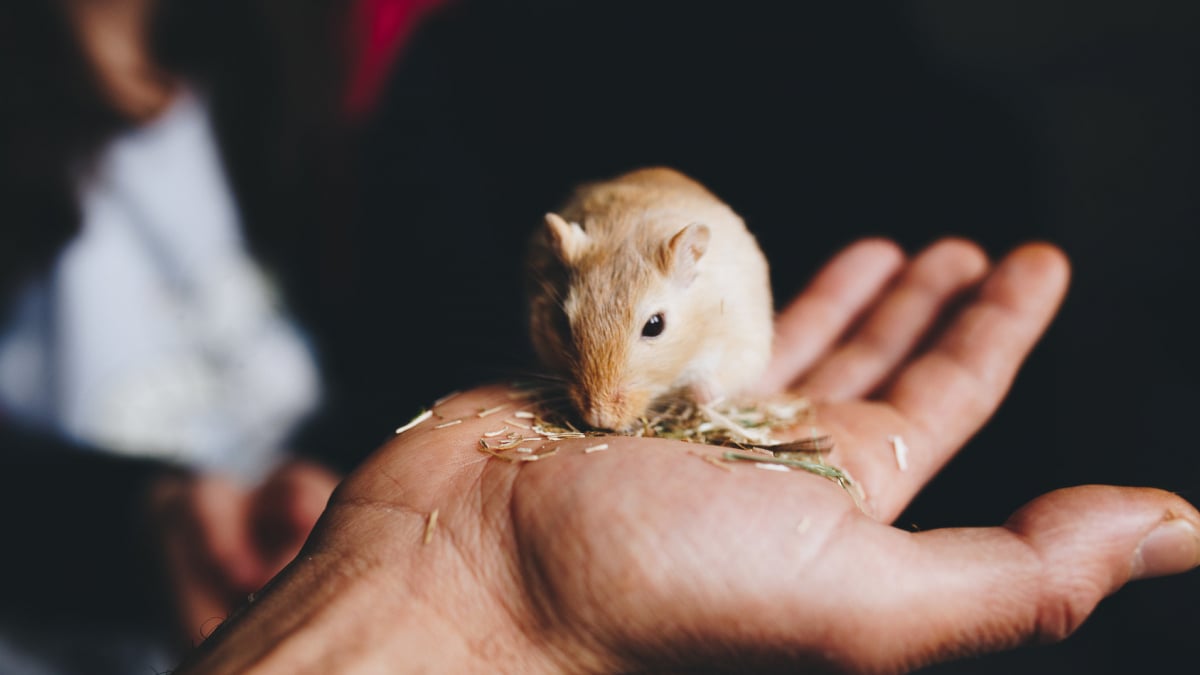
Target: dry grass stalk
<point>716,461</point>
<point>747,428</point>
<point>773,467</point>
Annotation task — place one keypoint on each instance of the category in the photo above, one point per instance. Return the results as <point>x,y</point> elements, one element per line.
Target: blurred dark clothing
<point>1001,122</point>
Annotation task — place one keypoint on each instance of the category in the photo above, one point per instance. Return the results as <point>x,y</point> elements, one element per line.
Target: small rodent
<point>646,285</point>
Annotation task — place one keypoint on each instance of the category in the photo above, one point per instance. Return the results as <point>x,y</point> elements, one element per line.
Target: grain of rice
<point>424,415</point>
<point>900,450</point>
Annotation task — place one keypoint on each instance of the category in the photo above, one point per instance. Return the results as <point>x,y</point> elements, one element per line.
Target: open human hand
<point>435,556</point>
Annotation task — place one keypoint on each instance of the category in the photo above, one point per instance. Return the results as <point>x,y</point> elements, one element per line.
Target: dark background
<point>1001,121</point>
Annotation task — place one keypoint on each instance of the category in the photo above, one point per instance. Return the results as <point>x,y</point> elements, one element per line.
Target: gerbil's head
<point>616,317</point>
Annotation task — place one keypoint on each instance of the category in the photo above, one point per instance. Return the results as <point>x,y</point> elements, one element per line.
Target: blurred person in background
<point>153,380</point>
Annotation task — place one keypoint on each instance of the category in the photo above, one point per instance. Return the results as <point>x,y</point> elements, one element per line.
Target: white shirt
<point>155,333</point>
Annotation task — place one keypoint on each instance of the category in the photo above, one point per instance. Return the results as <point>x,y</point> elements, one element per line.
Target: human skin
<point>114,37</point>
<point>217,540</point>
<point>644,557</point>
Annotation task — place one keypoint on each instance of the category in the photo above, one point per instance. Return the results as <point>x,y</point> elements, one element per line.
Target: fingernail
<point>1170,548</point>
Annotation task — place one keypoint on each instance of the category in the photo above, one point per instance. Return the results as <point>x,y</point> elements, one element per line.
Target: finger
<point>200,603</point>
<point>947,393</point>
<point>952,389</point>
<point>933,280</point>
<point>949,593</point>
<point>286,508</point>
<point>311,486</point>
<point>223,543</point>
<point>837,295</point>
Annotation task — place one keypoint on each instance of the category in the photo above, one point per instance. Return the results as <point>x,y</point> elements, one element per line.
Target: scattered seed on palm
<point>900,450</point>
<point>747,429</point>
<point>421,417</point>
<point>430,525</point>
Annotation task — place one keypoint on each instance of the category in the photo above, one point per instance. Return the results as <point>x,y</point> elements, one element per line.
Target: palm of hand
<point>644,556</point>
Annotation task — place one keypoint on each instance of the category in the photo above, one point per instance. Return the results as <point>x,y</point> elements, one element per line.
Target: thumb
<point>964,591</point>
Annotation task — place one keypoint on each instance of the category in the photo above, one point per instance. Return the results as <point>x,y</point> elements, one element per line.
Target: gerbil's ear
<point>567,239</point>
<point>684,250</point>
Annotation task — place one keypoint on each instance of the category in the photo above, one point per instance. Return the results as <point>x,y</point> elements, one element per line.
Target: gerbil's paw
<point>706,392</point>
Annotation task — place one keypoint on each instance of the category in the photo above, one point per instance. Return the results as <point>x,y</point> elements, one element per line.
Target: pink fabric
<point>378,31</point>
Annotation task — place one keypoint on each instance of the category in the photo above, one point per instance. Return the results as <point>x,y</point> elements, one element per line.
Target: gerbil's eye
<point>654,326</point>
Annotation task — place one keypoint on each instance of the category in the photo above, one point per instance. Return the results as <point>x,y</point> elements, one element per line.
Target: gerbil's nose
<point>605,411</point>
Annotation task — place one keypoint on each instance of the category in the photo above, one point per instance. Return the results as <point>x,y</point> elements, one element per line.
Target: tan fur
<point>628,265</point>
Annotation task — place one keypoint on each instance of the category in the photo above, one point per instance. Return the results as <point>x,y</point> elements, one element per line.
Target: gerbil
<point>645,285</point>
